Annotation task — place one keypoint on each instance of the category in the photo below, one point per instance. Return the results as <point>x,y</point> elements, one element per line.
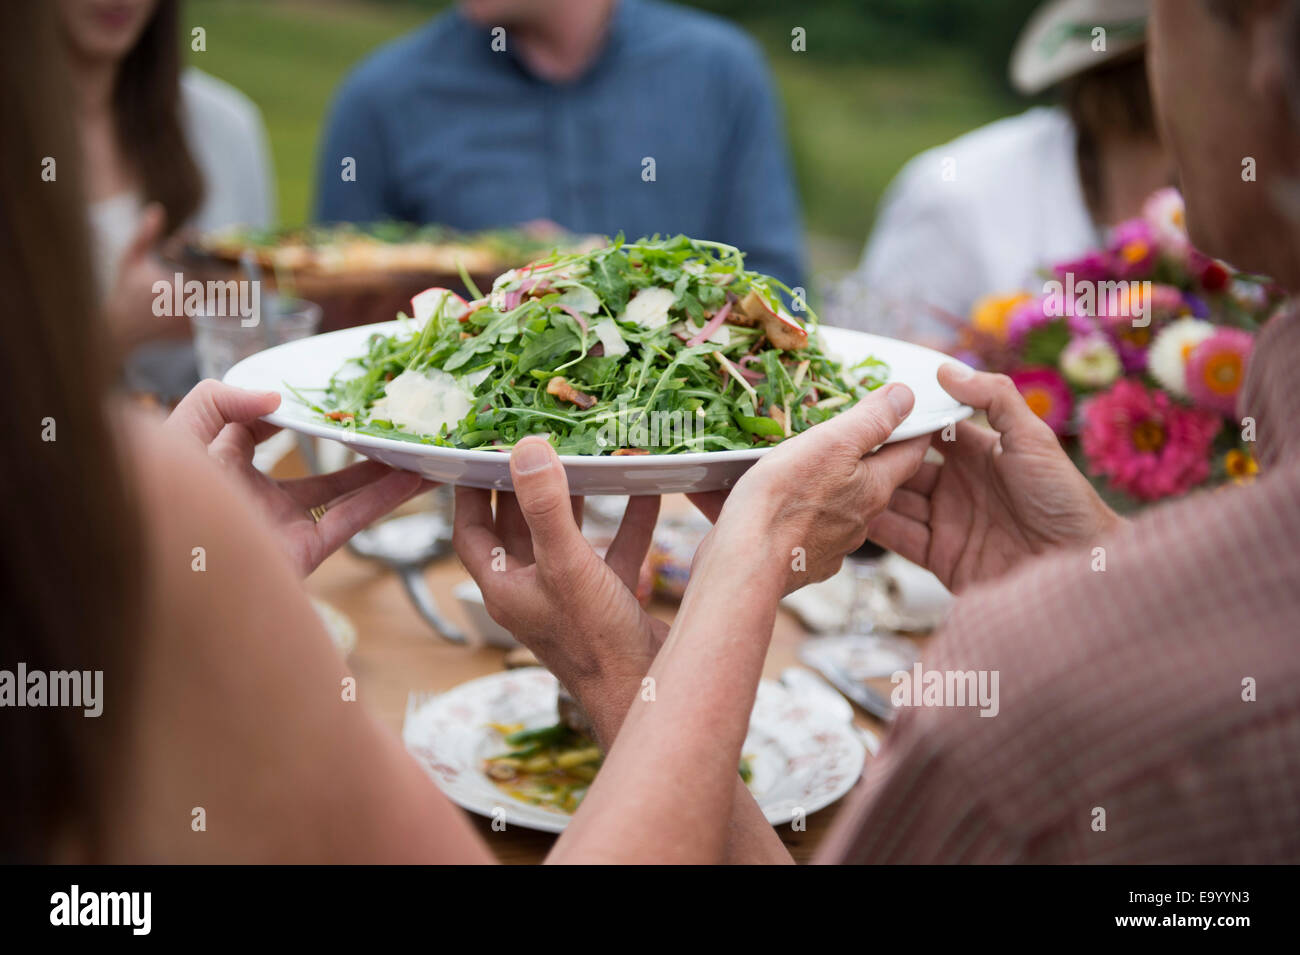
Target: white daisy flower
<point>1167,358</point>
<point>1165,211</point>
<point>1090,362</point>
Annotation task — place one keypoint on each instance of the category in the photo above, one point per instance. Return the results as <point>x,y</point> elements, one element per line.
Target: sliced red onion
<point>712,326</point>
<point>576,315</point>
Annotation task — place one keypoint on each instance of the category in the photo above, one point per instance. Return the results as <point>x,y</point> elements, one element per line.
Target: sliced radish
<point>426,304</point>
<point>781,328</point>
<point>786,332</point>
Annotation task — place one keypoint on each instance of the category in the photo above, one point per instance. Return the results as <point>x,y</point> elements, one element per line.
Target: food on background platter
<point>655,346</point>
<point>384,247</point>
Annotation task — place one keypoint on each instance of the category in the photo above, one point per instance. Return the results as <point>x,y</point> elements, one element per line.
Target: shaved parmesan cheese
<point>580,299</point>
<point>506,278</point>
<point>422,402</point>
<point>476,378</point>
<point>649,307</point>
<point>607,331</point>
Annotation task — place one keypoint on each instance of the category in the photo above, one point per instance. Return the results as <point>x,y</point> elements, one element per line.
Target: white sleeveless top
<point>227,139</point>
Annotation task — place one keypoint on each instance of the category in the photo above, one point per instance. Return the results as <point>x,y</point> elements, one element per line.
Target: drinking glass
<point>220,342</point>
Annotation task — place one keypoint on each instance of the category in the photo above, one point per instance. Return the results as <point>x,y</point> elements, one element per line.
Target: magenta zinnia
<point>1145,443</point>
<point>1047,395</point>
<point>1216,368</point>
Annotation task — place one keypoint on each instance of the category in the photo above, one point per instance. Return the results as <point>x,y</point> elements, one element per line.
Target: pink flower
<point>1025,318</point>
<point>1216,368</point>
<point>1047,395</point>
<point>1167,215</point>
<point>1133,248</point>
<point>1132,339</point>
<point>1092,267</point>
<point>1036,313</point>
<point>1146,443</point>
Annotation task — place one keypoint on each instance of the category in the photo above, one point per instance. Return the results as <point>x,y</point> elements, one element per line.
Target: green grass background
<point>851,124</point>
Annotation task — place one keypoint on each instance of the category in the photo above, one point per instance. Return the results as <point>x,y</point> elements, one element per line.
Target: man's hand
<point>808,502</point>
<point>1000,495</point>
<point>543,582</point>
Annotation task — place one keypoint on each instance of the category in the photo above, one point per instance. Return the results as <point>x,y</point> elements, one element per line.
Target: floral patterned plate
<point>803,757</point>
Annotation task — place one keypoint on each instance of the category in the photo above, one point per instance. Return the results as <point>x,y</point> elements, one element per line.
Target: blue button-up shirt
<point>674,128</point>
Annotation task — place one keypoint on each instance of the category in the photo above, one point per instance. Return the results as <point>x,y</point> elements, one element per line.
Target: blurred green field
<point>851,125</point>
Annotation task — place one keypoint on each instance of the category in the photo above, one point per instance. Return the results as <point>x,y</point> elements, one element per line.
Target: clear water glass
<point>221,342</point>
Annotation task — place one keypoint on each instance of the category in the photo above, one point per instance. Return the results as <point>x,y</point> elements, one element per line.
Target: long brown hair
<point>147,110</point>
<point>69,534</point>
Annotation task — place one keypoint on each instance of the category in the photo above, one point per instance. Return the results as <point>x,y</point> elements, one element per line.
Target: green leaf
<point>524,347</point>
<point>1043,346</point>
<point>762,426</point>
<point>547,349</point>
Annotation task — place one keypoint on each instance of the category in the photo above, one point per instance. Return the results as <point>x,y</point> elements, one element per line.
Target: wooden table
<point>397,653</point>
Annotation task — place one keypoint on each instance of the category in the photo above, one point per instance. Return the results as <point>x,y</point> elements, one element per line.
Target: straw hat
<point>1058,41</point>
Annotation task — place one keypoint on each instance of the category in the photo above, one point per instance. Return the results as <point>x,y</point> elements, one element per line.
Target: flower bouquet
<point>1135,354</point>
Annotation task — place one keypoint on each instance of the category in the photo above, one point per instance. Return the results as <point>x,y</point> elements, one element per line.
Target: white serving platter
<point>309,363</point>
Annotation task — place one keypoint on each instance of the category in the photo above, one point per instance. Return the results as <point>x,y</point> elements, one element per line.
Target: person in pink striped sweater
<point>1149,670</point>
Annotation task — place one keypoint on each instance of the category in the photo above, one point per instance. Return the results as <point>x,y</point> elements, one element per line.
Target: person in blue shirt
<point>600,116</point>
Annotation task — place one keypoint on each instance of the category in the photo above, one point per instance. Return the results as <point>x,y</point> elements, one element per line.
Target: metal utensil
<point>860,693</point>
<point>407,545</point>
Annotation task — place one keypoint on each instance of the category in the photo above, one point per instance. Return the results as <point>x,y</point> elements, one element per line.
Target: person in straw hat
<point>982,214</point>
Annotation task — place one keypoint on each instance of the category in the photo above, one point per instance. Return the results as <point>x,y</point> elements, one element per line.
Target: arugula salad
<point>657,346</point>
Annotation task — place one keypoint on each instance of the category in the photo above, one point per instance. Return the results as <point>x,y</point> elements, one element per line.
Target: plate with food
<point>653,367</point>
<point>500,746</point>
<point>381,247</point>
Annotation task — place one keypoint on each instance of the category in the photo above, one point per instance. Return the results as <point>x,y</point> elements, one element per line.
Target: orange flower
<point>991,313</point>
<point>1241,466</point>
<point>1135,251</point>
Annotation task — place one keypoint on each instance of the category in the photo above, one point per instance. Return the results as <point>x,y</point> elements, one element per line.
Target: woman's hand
<point>808,502</point>
<point>543,582</point>
<point>788,521</point>
<point>128,307</point>
<point>224,421</point>
<point>999,496</point>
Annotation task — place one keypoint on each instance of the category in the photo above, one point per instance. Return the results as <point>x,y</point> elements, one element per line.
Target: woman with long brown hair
<point>225,728</point>
<point>225,732</point>
<point>164,148</point>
